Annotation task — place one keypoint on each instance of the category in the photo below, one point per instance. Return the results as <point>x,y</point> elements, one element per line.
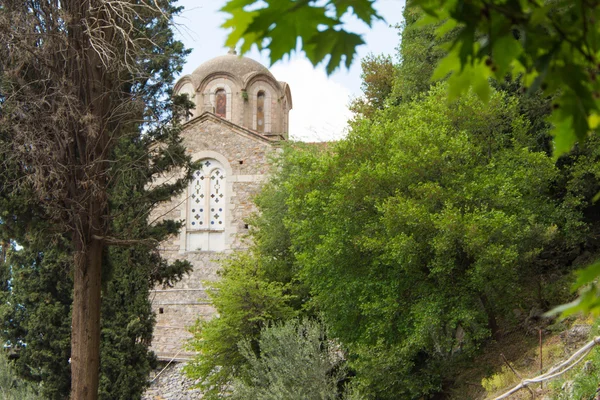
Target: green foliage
<point>297,361</point>
<point>377,82</point>
<point>36,294</point>
<point>246,301</point>
<point>553,45</point>
<point>582,381</point>
<point>415,235</point>
<point>12,387</point>
<point>420,51</point>
<point>277,24</point>
<point>414,238</point>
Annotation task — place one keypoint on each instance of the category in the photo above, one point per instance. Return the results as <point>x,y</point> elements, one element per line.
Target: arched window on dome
<point>260,111</point>
<point>221,103</point>
<point>261,107</point>
<point>206,208</point>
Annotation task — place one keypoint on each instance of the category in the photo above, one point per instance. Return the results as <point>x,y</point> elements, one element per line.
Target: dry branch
<point>557,370</point>
<point>125,242</point>
<point>516,374</point>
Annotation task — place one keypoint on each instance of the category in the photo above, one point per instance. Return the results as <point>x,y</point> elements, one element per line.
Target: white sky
<point>320,103</point>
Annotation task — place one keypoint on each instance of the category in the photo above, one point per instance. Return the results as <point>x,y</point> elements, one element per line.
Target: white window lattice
<point>206,202</point>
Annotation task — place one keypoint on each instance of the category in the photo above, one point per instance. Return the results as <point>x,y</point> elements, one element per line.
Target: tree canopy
<point>433,227</point>
<point>549,45</point>
<point>415,239</point>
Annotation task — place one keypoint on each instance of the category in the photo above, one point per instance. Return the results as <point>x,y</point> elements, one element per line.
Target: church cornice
<point>201,85</point>
<point>272,139</point>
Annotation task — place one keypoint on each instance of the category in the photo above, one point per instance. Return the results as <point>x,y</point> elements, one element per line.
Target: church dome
<point>241,91</point>
<point>233,65</point>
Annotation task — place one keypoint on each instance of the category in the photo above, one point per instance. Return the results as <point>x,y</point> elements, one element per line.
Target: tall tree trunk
<point>85,334</point>
<point>88,189</point>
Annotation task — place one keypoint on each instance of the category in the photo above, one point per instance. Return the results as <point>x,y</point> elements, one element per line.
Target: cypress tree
<point>38,275</point>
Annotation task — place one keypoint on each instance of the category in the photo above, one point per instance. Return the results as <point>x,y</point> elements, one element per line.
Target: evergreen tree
<point>37,305</point>
<point>37,308</point>
<point>377,76</point>
<point>141,143</point>
<point>12,387</point>
<point>133,270</point>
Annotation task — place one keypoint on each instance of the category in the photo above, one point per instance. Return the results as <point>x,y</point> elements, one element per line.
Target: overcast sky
<point>320,103</point>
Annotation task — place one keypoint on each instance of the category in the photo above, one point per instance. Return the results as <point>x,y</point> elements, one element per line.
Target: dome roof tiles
<point>234,65</point>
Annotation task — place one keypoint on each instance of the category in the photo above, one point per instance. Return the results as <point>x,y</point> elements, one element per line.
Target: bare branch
<point>557,370</point>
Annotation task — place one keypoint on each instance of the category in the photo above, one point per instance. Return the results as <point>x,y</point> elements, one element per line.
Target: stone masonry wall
<point>168,382</point>
<point>245,157</point>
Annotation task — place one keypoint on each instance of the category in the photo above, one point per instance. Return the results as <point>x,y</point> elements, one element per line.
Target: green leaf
<point>505,50</point>
<point>447,65</point>
<point>594,120</point>
<point>336,44</point>
<point>236,5</point>
<point>363,9</point>
<point>564,310</point>
<point>479,79</point>
<point>587,275</point>
<point>240,21</point>
<point>446,27</point>
<point>542,64</point>
<point>564,135</point>
<point>279,26</point>
<point>585,303</point>
<point>539,16</point>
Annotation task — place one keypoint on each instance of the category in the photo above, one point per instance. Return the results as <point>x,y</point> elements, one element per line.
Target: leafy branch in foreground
<point>550,45</point>
<point>277,24</point>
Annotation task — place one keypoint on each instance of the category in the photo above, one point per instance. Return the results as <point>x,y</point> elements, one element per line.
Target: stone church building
<point>240,117</point>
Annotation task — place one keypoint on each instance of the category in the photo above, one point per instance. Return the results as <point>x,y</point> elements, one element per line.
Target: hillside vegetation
<point>426,243</point>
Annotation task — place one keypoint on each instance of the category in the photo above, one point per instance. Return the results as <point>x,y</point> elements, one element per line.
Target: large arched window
<point>260,112</point>
<point>221,103</point>
<point>206,209</point>
<point>206,202</point>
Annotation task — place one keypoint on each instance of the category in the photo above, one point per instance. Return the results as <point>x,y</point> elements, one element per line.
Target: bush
<point>12,387</point>
<point>501,380</point>
<point>297,361</point>
<point>582,381</point>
